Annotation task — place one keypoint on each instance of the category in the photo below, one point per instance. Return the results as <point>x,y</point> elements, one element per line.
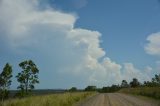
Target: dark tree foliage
<point>134,83</point>
<point>115,88</point>
<point>5,81</point>
<point>91,88</point>
<point>154,83</point>
<point>28,77</point>
<point>149,84</point>
<point>156,79</point>
<point>110,89</point>
<point>73,89</point>
<point>124,84</point>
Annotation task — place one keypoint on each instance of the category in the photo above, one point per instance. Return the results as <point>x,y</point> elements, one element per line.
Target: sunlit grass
<point>66,99</point>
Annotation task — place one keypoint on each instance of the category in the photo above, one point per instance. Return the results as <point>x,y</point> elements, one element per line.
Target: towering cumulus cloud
<point>49,36</point>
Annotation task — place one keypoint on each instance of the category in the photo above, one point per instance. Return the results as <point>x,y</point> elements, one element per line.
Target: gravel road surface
<point>116,99</point>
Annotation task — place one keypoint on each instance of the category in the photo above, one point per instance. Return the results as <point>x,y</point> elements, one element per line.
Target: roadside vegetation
<point>148,88</point>
<point>153,92</point>
<point>65,99</point>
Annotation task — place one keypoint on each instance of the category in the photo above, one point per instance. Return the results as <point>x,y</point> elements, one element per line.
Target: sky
<point>81,42</point>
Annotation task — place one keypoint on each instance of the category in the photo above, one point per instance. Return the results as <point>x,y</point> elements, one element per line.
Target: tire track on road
<point>115,99</point>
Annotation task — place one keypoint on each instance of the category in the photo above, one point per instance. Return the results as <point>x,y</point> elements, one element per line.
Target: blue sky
<point>82,42</point>
<point>124,25</point>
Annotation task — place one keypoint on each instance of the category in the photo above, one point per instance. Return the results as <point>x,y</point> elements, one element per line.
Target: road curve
<point>116,99</point>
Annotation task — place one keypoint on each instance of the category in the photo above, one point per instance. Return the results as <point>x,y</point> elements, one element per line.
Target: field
<point>153,92</point>
<point>65,99</point>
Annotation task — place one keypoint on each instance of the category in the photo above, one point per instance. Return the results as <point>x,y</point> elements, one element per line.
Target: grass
<point>153,92</point>
<point>66,99</point>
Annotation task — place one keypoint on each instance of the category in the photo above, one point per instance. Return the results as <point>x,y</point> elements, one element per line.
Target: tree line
<point>155,82</point>
<point>27,78</point>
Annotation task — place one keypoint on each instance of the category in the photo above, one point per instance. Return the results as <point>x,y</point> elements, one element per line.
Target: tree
<point>73,89</point>
<point>156,80</point>
<point>114,88</point>
<point>105,89</point>
<point>134,83</point>
<point>149,84</point>
<point>124,84</point>
<point>28,77</point>
<point>91,88</point>
<point>5,81</point>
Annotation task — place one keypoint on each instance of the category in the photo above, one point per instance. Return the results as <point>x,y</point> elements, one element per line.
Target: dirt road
<point>116,99</point>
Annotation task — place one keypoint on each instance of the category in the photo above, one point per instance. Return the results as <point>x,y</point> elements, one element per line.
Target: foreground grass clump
<point>153,92</point>
<point>66,99</point>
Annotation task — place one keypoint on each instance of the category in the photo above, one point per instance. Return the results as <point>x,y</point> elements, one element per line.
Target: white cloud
<point>131,72</point>
<point>49,36</point>
<point>153,47</point>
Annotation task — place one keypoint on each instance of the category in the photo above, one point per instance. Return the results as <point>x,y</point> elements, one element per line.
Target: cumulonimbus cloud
<point>50,35</point>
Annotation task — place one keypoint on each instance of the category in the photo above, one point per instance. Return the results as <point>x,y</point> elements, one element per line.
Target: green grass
<point>153,92</point>
<point>66,99</point>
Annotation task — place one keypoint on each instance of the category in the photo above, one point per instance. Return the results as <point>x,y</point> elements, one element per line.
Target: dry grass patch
<point>66,99</point>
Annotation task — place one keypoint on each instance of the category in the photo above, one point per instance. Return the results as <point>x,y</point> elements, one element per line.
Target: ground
<point>117,99</point>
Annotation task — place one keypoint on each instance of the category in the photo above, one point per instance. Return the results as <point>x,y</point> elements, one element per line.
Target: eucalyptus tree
<point>28,77</point>
<point>5,81</point>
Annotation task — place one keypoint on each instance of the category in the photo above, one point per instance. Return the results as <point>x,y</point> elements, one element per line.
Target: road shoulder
<point>145,98</point>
